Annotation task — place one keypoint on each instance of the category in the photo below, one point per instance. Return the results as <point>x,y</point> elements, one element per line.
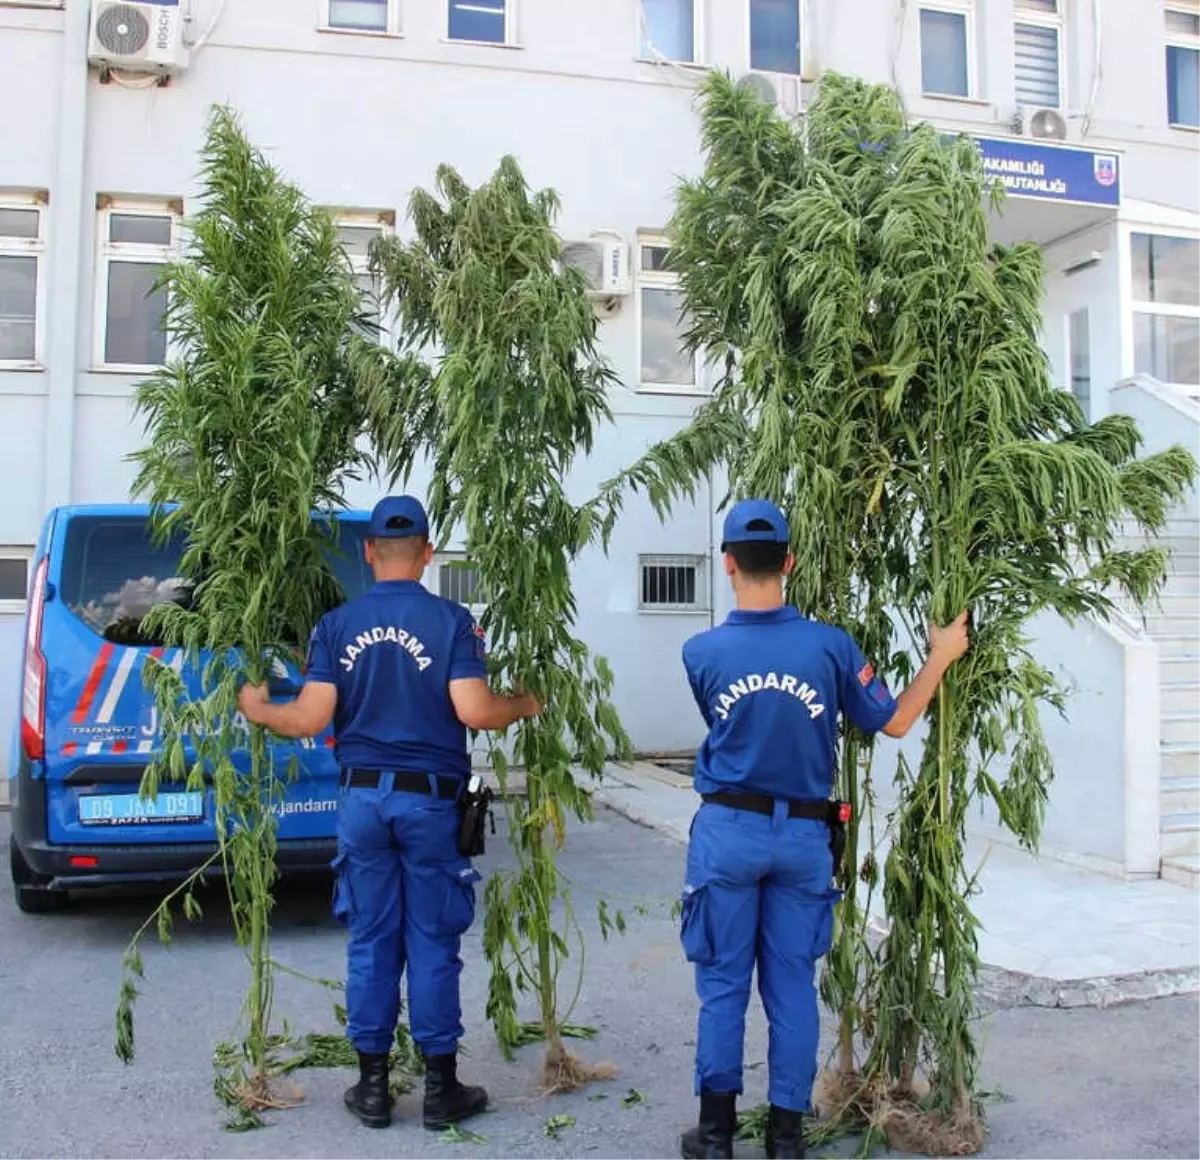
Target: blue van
<point>87,725</point>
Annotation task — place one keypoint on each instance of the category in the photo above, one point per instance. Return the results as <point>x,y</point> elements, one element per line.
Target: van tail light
<point>33,687</point>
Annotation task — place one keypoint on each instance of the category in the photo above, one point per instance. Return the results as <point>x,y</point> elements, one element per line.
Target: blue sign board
<point>1053,172</point>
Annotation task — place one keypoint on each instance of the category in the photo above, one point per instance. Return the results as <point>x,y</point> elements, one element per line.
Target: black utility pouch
<point>474,811</point>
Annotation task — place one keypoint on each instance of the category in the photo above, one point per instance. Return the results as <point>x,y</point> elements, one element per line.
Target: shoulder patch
<point>477,629</point>
<point>866,675</point>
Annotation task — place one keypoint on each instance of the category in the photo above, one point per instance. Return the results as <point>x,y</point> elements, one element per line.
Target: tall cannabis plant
<point>250,428</point>
<point>502,411</point>
<point>885,359</point>
<point>1017,504</point>
<point>776,245</point>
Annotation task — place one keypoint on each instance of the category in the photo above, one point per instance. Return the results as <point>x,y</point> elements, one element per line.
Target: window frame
<point>391,22</point>
<point>966,9</point>
<point>510,28</point>
<point>1183,41</point>
<point>658,280</point>
<point>442,560</point>
<point>750,44</point>
<point>22,552</point>
<point>29,248</point>
<point>384,222</point>
<point>134,252</point>
<point>1072,348</point>
<point>1036,18</point>
<point>1164,309</point>
<point>699,44</point>
<point>703,602</point>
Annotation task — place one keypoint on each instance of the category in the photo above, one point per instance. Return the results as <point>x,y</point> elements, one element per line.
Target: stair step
<point>1183,869</point>
<point>1180,834</point>
<point>1175,645</point>
<point>1179,668</point>
<point>1174,605</point>
<point>1181,727</point>
<point>1179,760</point>
<point>1184,625</point>
<point>1183,584</point>
<point>1179,795</point>
<point>1180,696</point>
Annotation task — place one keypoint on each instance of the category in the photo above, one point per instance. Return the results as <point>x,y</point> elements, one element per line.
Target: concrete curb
<point>997,989</point>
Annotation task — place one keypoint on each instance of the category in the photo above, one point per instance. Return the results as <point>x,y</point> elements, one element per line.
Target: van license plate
<point>127,809</point>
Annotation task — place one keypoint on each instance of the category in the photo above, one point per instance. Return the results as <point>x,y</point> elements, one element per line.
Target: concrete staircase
<point>1174,624</point>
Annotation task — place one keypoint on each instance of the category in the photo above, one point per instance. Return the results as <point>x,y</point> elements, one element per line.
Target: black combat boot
<point>446,1100</point>
<point>712,1138</point>
<point>785,1134</point>
<point>369,1099</point>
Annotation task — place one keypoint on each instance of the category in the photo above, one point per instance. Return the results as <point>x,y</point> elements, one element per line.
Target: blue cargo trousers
<point>406,896</point>
<point>757,894</point>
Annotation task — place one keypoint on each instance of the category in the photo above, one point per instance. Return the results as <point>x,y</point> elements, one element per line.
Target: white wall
<point>359,121</point>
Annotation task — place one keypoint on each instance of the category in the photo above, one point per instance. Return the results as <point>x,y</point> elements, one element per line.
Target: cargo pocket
<point>823,936</point>
<point>343,898</point>
<point>458,907</point>
<point>695,926</point>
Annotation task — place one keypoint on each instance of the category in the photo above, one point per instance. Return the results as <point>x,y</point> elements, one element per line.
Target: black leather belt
<point>819,811</point>
<point>406,781</point>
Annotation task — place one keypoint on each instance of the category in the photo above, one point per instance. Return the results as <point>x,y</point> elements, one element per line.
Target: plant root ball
<point>564,1072</point>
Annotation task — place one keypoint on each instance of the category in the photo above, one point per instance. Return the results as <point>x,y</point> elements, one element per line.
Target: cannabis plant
<point>512,397</point>
<point>250,429</point>
<point>885,359</point>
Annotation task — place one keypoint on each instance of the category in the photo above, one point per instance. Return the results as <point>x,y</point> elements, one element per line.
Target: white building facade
<point>1090,108</point>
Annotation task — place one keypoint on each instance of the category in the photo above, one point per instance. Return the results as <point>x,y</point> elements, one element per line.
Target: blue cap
<point>396,516</point>
<point>755,521</point>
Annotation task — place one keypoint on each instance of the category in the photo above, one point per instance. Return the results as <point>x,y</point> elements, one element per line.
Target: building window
<point>361,15</point>
<point>136,242</point>
<point>20,282</point>
<point>1079,353</point>
<point>1183,66</point>
<point>14,577</point>
<point>672,584</point>
<point>946,50</point>
<point>665,364</point>
<point>458,579</point>
<point>775,36</point>
<point>483,21</point>
<point>1166,308</point>
<point>668,30</point>
<point>1037,38</point>
<point>356,233</point>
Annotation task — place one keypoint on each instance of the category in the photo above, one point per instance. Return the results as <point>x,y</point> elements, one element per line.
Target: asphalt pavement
<point>1119,1082</point>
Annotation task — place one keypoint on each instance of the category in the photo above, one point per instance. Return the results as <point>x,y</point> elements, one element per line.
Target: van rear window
<point>113,574</point>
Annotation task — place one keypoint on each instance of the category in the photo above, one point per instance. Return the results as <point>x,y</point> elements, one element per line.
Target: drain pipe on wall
<point>1097,67</point>
<point>68,205</point>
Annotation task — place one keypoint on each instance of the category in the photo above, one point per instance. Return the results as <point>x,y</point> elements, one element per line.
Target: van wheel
<point>33,894</point>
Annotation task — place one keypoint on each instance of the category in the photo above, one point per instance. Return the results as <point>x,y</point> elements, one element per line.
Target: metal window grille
<point>672,583</point>
<point>458,580</point>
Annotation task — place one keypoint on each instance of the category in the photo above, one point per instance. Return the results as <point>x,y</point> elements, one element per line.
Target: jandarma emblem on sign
<point>1104,165</point>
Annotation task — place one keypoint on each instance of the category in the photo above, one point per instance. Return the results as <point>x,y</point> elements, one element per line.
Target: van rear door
<point>101,723</point>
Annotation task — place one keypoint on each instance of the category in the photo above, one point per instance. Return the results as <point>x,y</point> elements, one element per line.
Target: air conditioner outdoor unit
<point>1047,123</point>
<point>778,89</point>
<point>605,264</point>
<point>145,36</point>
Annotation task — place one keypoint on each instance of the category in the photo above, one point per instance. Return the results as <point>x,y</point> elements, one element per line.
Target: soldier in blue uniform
<point>402,675</point>
<point>771,685</point>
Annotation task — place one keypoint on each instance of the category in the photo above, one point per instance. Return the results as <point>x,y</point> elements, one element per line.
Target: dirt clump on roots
<point>851,1103</point>
<point>564,1072</point>
<point>909,1127</point>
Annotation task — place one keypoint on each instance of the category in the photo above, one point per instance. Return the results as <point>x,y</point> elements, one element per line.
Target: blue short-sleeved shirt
<point>770,686</point>
<point>392,653</point>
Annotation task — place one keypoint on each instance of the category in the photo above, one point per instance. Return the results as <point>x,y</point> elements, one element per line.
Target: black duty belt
<point>406,781</point>
<point>829,812</point>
